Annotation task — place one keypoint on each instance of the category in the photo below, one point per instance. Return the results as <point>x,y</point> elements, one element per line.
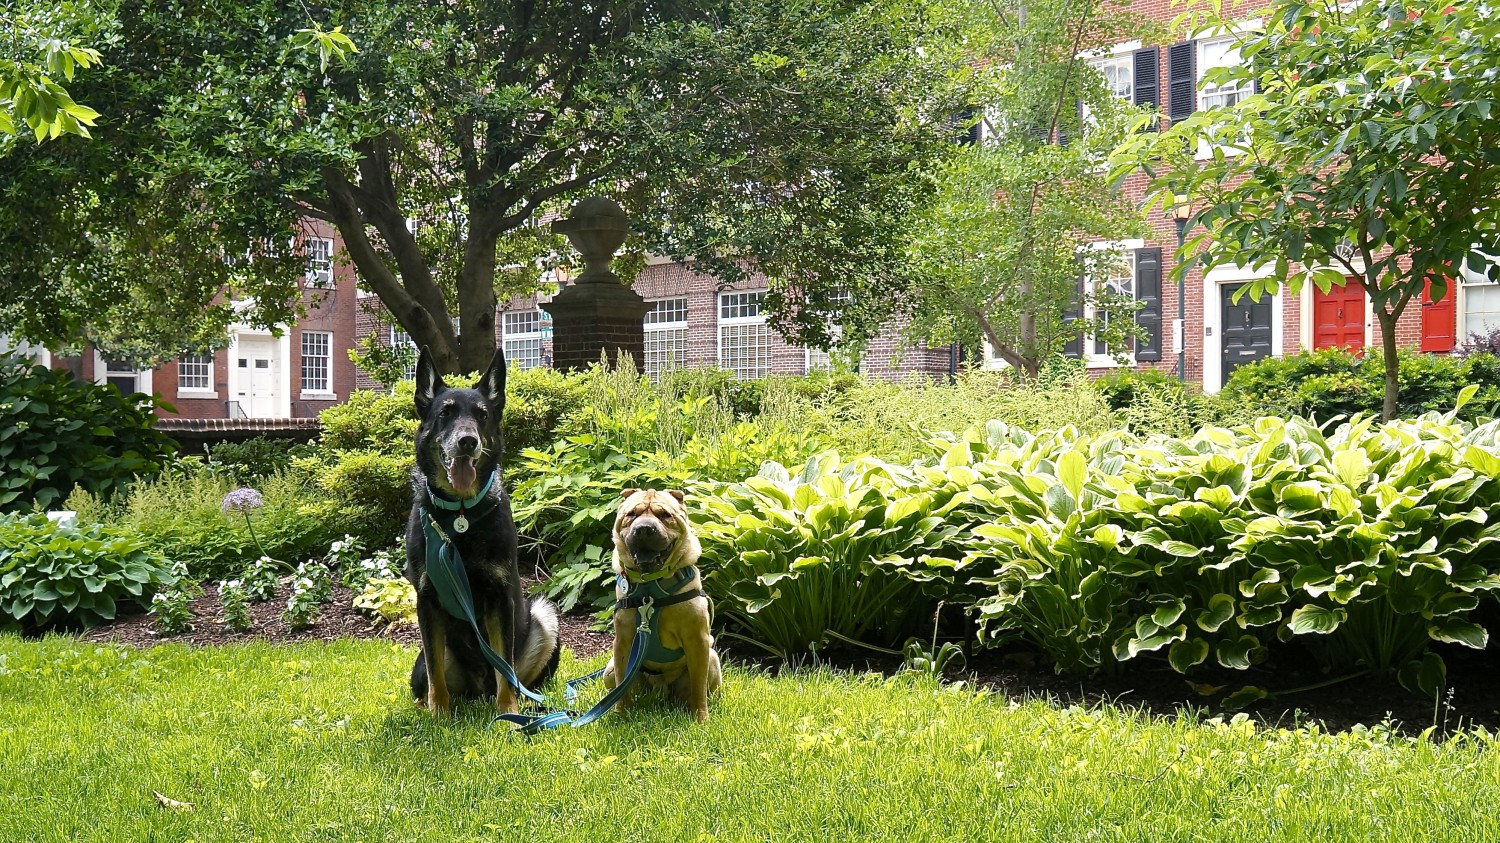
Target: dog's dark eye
<point>666,516</point>
<point>446,411</point>
<point>481,413</point>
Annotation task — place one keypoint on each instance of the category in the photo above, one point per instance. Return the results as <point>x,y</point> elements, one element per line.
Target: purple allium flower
<point>242,500</point>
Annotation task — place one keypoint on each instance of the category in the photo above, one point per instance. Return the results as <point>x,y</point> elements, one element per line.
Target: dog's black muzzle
<point>650,546</point>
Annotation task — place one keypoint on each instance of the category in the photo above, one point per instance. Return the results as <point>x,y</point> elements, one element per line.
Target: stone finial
<point>596,227</point>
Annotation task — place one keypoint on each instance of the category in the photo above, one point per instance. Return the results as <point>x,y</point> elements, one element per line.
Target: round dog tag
<point>460,524</point>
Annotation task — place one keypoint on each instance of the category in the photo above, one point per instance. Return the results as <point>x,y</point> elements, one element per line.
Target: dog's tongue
<point>461,476</point>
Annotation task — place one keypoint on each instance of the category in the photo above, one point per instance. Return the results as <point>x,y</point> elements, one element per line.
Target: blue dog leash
<point>646,598</point>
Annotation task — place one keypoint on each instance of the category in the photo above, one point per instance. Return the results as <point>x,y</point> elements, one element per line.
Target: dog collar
<point>461,520</point>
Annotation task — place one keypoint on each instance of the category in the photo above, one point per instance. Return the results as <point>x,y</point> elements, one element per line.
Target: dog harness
<point>660,595</point>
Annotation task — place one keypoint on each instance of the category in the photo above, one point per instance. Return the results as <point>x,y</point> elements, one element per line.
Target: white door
<point>259,370</point>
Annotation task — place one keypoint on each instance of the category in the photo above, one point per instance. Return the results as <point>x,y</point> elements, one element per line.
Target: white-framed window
<point>319,261</point>
<point>1481,306</point>
<point>401,339</point>
<point>1112,271</point>
<point>744,336</point>
<point>819,360</point>
<point>195,373</point>
<point>317,361</point>
<point>666,335</point>
<point>1215,53</point>
<point>122,375</point>
<point>1118,71</point>
<point>521,331</point>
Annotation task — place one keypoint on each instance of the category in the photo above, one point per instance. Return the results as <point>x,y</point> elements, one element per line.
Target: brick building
<point>1218,333</point>
<point>695,321</point>
<point>257,375</point>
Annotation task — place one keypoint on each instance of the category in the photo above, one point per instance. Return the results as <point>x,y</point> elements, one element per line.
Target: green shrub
<point>52,575</point>
<point>254,459</point>
<point>856,552</point>
<point>367,493</point>
<point>57,432</point>
<point>1334,382</point>
<point>631,433</point>
<point>179,516</point>
<point>1223,544</point>
<point>1154,401</point>
<point>536,400</point>
<point>893,420</point>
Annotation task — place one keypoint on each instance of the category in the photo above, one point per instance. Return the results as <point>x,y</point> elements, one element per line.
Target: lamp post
<point>1181,212</point>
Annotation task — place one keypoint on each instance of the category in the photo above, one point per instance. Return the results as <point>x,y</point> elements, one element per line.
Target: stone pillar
<point>596,314</point>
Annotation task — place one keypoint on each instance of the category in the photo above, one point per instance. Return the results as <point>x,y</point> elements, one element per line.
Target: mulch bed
<point>337,619</point>
<point>1474,677</point>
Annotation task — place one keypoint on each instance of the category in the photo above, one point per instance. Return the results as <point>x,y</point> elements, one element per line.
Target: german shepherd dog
<point>458,449</point>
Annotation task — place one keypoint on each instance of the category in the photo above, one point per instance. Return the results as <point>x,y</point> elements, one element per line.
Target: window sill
<point>1108,363</point>
<point>197,393</point>
<point>317,395</point>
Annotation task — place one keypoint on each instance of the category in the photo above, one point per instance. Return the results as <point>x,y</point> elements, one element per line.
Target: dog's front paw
<point>438,704</point>
<point>701,714</point>
<point>507,707</point>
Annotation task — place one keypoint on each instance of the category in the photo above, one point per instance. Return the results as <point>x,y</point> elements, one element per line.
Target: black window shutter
<point>1074,346</point>
<point>1148,293</point>
<point>1064,136</point>
<point>970,124</point>
<point>1147,79</point>
<point>1182,81</point>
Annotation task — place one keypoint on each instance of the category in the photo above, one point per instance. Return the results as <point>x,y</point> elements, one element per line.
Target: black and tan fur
<point>652,536</point>
<point>460,437</point>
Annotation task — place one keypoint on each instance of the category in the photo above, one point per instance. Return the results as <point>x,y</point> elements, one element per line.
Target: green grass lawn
<point>321,742</point>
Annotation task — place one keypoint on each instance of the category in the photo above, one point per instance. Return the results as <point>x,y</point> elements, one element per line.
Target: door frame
<point>1214,282</point>
<point>1306,330</point>
<point>283,384</point>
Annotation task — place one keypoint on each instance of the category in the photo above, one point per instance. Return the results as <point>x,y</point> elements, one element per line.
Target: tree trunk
<point>476,305</point>
<point>1392,360</point>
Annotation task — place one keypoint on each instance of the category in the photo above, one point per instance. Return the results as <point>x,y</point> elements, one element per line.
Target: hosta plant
<point>52,575</point>
<point>856,552</point>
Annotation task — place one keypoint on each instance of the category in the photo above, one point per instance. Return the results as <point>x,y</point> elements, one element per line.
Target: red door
<point>1438,323</point>
<point>1339,316</point>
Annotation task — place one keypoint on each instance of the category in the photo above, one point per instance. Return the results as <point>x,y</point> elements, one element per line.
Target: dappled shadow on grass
<point>1151,686</point>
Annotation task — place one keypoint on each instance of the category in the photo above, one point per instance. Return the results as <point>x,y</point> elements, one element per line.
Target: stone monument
<point>596,313</point>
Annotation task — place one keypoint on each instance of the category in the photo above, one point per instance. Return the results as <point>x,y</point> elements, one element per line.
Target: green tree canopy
<point>1368,151</point>
<point>996,255</point>
<point>753,134</point>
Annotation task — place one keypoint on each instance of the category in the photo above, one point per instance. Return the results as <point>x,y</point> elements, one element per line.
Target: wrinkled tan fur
<point>697,674</point>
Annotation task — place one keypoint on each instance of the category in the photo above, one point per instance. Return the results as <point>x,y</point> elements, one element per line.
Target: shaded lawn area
<point>320,742</point>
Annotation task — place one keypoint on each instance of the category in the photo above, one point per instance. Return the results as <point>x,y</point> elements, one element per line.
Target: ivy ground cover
<point>319,742</point>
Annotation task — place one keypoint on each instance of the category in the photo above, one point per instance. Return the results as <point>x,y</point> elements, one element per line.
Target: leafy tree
<point>996,255</point>
<point>753,134</point>
<point>40,49</point>
<point>1368,152</point>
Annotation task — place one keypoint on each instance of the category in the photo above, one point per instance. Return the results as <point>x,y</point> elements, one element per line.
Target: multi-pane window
<point>744,337</point>
<point>317,361</point>
<point>666,332</point>
<point>1118,282</point>
<point>817,358</point>
<point>1481,313</point>
<point>522,333</point>
<point>319,261</point>
<point>123,375</point>
<point>195,371</point>
<point>402,340</point>
<point>1221,52</point>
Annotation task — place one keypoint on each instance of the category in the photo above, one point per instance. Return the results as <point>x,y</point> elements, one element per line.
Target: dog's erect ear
<point>676,493</point>
<point>429,382</point>
<point>628,492</point>
<point>492,383</point>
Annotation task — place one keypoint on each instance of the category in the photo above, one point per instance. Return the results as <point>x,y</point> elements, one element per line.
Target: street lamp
<point>1181,211</point>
